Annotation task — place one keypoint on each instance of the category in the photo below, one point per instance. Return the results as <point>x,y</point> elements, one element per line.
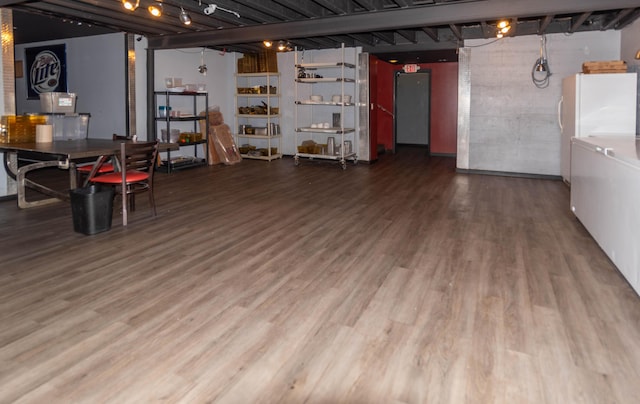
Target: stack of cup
<point>331,145</point>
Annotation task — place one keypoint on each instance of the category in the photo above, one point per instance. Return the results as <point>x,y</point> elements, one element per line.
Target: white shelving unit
<point>335,114</point>
<point>257,115</point>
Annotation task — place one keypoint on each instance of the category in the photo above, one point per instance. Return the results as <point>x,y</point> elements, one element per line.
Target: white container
<point>174,137</point>
<point>171,82</point>
<point>69,126</point>
<point>58,102</point>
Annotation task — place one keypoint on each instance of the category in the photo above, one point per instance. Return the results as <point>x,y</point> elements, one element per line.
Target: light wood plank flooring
<point>396,282</point>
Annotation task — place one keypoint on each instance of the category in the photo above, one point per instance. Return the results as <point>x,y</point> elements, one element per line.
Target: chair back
<point>139,156</point>
<point>120,137</point>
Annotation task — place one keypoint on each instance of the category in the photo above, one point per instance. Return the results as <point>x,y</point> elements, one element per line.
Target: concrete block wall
<point>513,124</point>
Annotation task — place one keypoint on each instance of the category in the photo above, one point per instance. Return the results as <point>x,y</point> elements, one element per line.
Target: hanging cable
<point>540,73</point>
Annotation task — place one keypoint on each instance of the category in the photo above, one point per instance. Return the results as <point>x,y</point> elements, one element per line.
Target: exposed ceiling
<point>412,30</point>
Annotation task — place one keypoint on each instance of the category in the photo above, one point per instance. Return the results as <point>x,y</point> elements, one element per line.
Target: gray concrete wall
<point>513,124</point>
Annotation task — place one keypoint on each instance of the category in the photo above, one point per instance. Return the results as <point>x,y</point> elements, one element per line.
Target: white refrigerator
<point>595,104</point>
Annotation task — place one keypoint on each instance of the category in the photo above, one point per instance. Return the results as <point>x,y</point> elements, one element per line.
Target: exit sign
<point>411,68</point>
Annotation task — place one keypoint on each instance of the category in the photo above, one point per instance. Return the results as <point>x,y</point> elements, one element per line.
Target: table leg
<point>23,183</point>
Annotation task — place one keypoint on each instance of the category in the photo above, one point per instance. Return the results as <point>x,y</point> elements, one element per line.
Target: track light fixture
<point>284,46</point>
<point>155,9</point>
<point>130,5</point>
<point>267,43</point>
<point>184,17</point>
<point>211,8</point>
<point>502,28</point>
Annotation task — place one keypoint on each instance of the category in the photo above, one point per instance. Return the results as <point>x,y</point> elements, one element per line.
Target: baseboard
<point>443,154</point>
<point>510,174</point>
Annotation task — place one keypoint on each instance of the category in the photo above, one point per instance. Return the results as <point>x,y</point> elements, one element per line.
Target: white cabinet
<point>325,109</point>
<point>257,124</point>
<point>605,197</point>
<point>178,119</point>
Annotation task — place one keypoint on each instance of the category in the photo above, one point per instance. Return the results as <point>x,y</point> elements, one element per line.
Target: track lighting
<point>130,5</point>
<point>184,17</point>
<point>284,46</point>
<point>502,28</point>
<point>211,8</point>
<point>267,43</point>
<point>155,9</point>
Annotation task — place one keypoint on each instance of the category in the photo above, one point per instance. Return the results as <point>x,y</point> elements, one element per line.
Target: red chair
<point>85,170</point>
<point>137,161</point>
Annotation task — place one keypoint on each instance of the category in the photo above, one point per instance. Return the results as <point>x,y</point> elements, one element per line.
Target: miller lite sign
<point>46,70</point>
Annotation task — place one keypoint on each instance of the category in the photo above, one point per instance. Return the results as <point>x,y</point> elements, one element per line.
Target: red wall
<point>444,104</point>
<point>383,109</point>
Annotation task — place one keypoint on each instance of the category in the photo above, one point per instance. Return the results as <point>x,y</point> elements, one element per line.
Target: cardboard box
<point>605,66</point>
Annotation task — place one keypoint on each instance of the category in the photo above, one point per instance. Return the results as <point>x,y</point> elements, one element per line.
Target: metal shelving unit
<point>166,120</point>
<point>257,102</point>
<point>336,81</point>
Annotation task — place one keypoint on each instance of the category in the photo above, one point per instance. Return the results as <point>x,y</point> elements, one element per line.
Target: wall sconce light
<point>267,43</point>
<point>638,54</point>
<point>502,27</point>
<point>184,17</point>
<point>155,9</point>
<point>130,5</point>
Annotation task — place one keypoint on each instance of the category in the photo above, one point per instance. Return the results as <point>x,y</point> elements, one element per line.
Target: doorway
<point>412,108</point>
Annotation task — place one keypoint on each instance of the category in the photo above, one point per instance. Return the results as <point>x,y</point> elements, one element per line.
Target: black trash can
<point>92,209</point>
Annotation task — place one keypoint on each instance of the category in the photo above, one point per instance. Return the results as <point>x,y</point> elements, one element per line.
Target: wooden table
<point>62,154</point>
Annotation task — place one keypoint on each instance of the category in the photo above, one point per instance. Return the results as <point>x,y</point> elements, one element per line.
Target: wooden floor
<point>396,282</point>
